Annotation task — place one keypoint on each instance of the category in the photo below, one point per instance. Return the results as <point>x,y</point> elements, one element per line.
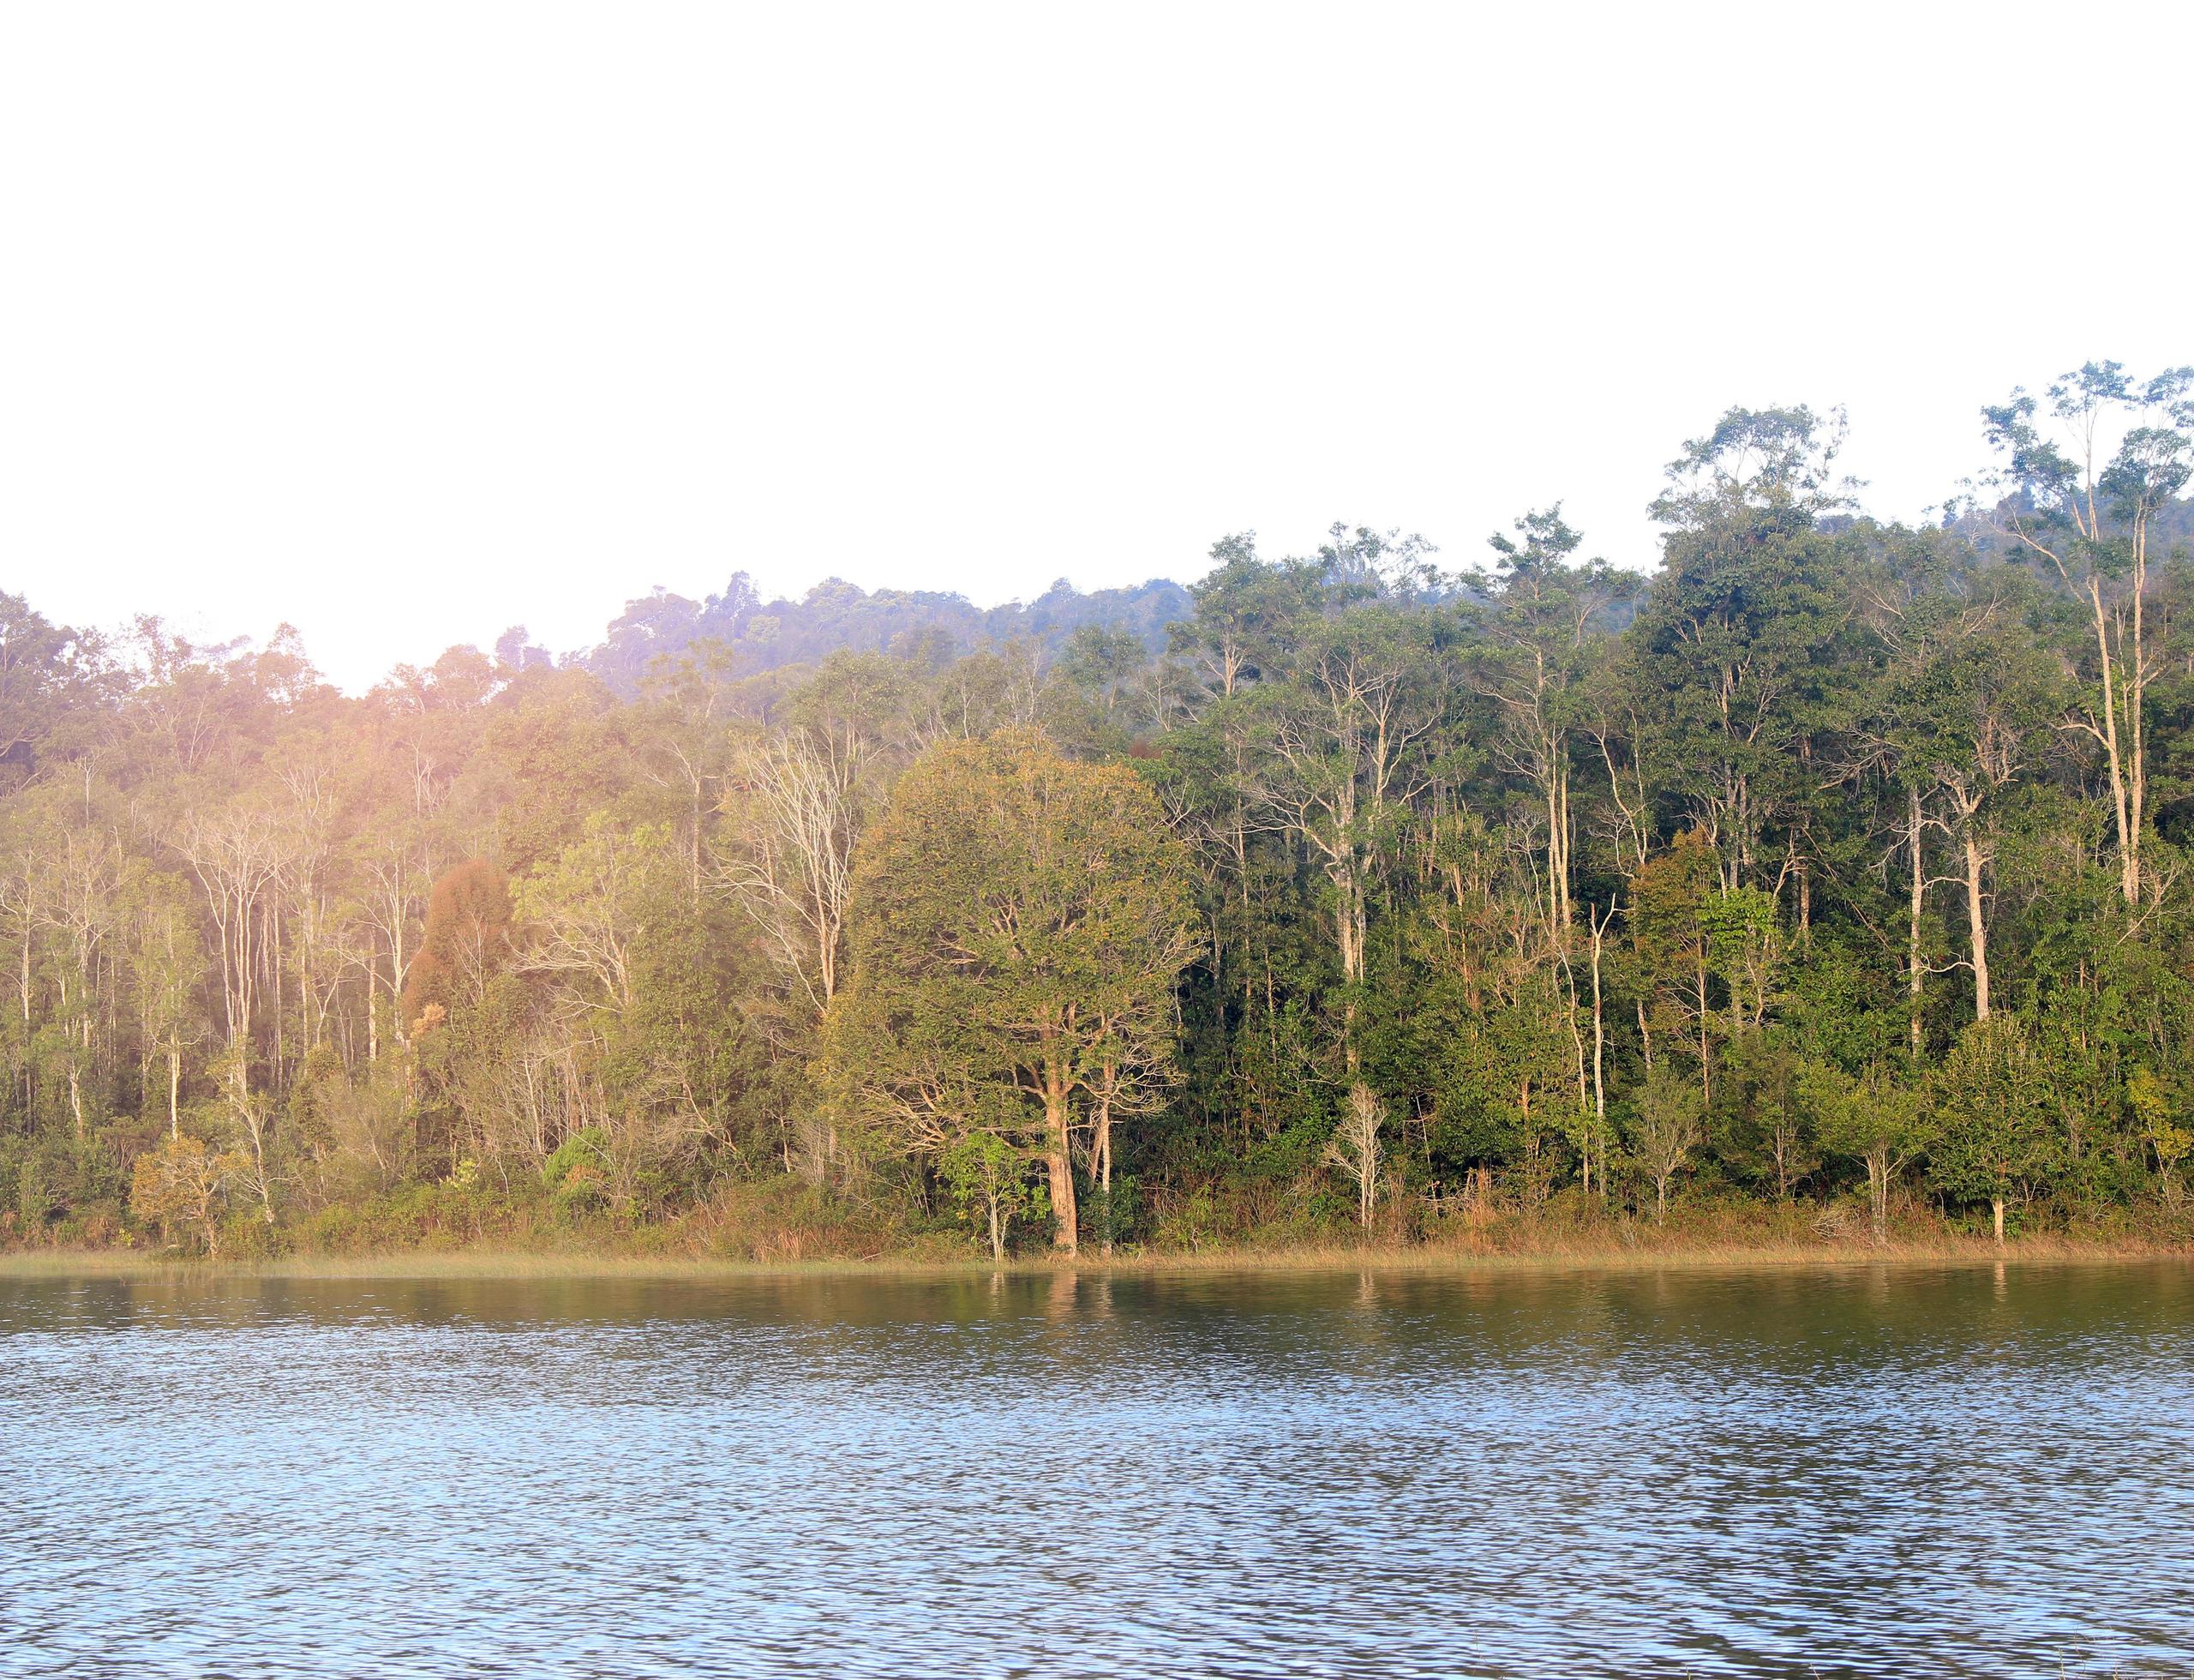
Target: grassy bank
<point>1672,1253</point>
<point>779,1228</point>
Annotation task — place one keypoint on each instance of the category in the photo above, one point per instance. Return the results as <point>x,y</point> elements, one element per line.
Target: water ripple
<point>1846,1472</point>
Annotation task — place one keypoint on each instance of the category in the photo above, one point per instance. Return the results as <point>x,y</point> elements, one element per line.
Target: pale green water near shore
<point>1904,1470</point>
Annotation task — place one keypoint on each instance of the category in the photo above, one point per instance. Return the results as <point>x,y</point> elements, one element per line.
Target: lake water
<point>1850,1471</point>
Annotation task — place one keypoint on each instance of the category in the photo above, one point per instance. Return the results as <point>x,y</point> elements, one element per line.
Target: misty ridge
<point>1826,885</point>
<point>839,617</point>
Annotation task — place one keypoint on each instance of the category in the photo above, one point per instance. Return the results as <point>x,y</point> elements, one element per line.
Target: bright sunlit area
<point>408,323</point>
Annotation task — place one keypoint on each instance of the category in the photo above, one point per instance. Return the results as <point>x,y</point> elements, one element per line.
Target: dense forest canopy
<point>1837,864</point>
<point>839,617</point>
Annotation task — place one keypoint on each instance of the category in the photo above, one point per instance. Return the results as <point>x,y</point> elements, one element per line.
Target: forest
<point>1831,878</point>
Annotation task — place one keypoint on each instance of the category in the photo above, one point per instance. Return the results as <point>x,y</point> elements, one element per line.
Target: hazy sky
<point>406,323</point>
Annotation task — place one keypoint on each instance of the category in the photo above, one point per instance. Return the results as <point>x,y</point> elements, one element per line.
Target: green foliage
<point>577,1173</point>
<point>1021,922</point>
<point>1832,855</point>
<point>1989,1135</point>
<point>1667,1125</point>
<point>1872,1119</point>
<point>992,1185</point>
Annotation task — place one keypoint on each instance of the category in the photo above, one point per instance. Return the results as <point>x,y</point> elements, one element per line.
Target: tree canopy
<point>1836,868</point>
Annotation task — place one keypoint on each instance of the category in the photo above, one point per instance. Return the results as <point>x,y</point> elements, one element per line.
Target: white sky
<point>408,323</point>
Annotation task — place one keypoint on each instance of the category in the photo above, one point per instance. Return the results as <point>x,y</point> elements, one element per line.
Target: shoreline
<point>490,1264</point>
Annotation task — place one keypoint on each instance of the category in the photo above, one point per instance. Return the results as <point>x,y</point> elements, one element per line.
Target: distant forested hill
<point>838,615</point>
<point>2171,528</point>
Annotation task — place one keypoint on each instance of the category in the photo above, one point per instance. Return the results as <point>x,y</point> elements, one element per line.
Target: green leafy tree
<point>1343,752</point>
<point>1723,665</point>
<point>1667,1125</point>
<point>2088,516</point>
<point>1762,1128</point>
<point>1989,1137</point>
<point>1671,912</point>
<point>1872,1119</point>
<point>989,1178</point>
<point>1543,615</point>
<point>1016,911</point>
<point>2170,1141</point>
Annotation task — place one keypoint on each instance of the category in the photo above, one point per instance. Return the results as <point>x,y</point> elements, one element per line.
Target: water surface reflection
<point>1837,1471</point>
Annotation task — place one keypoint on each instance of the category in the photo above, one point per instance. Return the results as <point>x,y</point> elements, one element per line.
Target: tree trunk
<point>1584,1081</point>
<point>1060,1166</point>
<point>1350,924</point>
<point>1706,1069</point>
<point>2137,679</point>
<point>1103,1151</point>
<point>1913,969</point>
<point>1600,1057</point>
<point>2128,848</point>
<point>1996,1204</point>
<point>1877,1193</point>
<point>1976,926</point>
